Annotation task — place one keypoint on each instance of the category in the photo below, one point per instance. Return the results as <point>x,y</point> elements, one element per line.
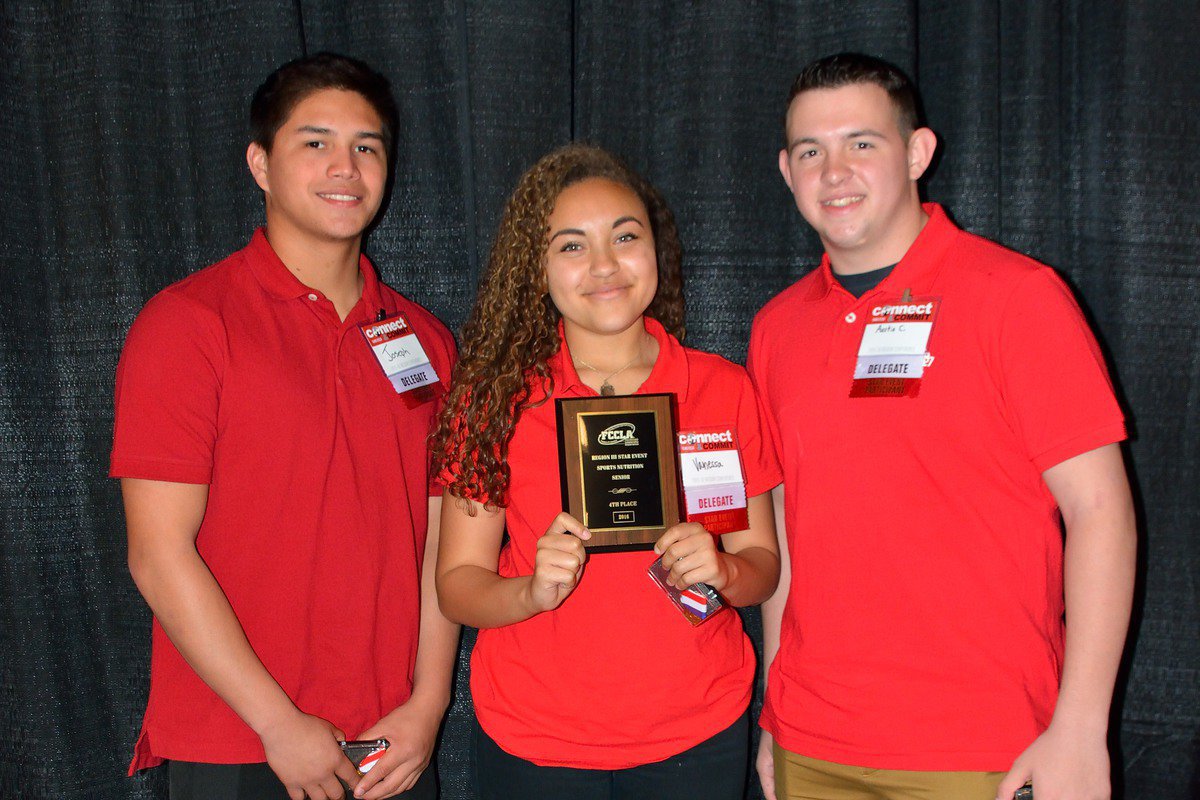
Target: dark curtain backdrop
<point>1069,131</point>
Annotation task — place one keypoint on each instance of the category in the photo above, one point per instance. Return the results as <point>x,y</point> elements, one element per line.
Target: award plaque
<point>616,458</point>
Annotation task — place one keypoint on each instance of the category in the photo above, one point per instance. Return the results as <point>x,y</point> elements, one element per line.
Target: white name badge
<point>399,353</point>
<point>714,486</point>
<point>895,338</point>
<point>892,355</point>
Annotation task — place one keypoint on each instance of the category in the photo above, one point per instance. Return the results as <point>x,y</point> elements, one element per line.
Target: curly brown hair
<point>512,331</point>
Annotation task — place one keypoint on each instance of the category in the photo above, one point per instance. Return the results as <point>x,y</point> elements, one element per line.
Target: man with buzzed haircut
<point>939,406</point>
<point>274,469</point>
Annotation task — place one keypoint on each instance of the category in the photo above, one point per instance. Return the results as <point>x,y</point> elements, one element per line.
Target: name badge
<point>893,353</point>
<point>714,485</point>
<point>399,353</point>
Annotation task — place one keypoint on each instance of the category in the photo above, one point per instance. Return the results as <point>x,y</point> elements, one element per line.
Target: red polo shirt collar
<point>280,282</point>
<point>669,375</point>
<point>916,271</point>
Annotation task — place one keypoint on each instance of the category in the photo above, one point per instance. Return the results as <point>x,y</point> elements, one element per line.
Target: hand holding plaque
<point>618,468</point>
<point>558,563</point>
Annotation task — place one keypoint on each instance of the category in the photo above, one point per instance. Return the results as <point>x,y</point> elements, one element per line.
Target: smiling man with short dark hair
<point>939,404</point>
<point>275,475</point>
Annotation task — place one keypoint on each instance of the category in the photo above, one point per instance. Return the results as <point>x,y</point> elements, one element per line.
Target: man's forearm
<point>1099,565</point>
<point>162,520</point>
<point>197,617</point>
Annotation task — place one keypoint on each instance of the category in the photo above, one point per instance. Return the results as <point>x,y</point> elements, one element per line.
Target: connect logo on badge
<point>621,433</point>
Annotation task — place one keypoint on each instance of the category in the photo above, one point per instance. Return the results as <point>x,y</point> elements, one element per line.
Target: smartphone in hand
<point>364,753</point>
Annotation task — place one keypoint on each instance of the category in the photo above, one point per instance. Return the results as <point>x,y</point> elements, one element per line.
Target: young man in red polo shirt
<point>939,404</point>
<point>275,476</point>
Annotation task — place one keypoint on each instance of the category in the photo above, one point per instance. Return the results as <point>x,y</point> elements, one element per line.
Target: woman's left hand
<point>690,553</point>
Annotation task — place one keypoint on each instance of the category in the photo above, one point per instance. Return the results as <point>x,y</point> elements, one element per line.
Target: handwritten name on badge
<point>399,353</point>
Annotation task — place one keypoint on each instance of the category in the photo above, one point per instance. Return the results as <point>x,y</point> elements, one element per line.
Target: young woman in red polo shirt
<point>587,681</point>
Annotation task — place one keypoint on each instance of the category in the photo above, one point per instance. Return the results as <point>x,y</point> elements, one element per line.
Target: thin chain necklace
<point>606,388</point>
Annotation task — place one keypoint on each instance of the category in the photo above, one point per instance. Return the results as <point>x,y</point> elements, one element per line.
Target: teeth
<point>340,196</point>
<point>842,202</point>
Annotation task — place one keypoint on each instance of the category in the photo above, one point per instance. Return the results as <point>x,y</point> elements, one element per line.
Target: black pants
<point>195,781</point>
<point>715,769</point>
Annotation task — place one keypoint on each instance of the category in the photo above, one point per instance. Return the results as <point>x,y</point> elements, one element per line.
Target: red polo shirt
<point>242,378</point>
<point>923,629</point>
<point>616,677</point>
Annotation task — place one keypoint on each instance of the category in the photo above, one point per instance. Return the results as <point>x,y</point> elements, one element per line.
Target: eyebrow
<point>577,232</point>
<point>567,232</point>
<point>864,132</point>
<point>850,135</point>
<point>794,143</point>
<point>317,129</point>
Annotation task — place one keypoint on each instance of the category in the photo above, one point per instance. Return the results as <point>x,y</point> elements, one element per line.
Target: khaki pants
<point>798,777</point>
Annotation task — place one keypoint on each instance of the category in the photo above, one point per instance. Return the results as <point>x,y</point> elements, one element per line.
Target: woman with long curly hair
<point>587,682</point>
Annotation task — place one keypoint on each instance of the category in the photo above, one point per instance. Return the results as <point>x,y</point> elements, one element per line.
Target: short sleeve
<point>755,367</point>
<point>168,394</point>
<point>756,441</point>
<point>1055,386</point>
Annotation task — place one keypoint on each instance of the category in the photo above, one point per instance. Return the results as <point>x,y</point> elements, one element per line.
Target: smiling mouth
<point>842,202</point>
<point>605,291</point>
<point>341,198</point>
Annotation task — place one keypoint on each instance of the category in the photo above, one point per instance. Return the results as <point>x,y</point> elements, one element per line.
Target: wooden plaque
<point>617,462</point>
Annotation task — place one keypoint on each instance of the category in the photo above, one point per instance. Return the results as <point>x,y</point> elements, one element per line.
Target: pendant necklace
<point>606,388</point>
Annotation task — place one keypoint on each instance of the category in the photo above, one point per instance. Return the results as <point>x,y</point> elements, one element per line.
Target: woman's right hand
<point>558,564</point>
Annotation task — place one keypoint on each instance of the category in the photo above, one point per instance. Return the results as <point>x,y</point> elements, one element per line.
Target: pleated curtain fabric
<point>1068,131</point>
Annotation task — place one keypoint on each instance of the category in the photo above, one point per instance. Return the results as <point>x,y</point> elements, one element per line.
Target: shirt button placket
<point>845,340</point>
<point>344,367</point>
